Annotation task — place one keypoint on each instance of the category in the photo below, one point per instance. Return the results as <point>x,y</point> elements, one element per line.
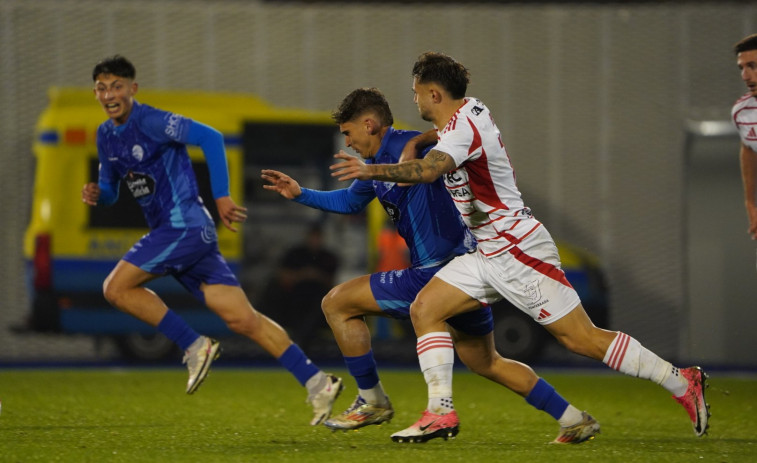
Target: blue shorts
<point>190,255</point>
<point>395,290</point>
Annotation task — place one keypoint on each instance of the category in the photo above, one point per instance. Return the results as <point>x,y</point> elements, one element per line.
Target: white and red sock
<point>628,356</point>
<point>436,357</point>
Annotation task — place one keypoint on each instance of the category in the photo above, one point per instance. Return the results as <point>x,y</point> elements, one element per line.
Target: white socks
<point>374,395</point>
<point>628,356</point>
<point>436,357</point>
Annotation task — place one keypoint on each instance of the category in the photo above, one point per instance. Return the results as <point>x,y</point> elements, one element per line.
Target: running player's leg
<point>123,289</point>
<point>435,303</point>
<point>124,286</point>
<point>553,302</point>
<point>479,354</point>
<point>232,305</point>
<point>623,353</point>
<point>345,307</point>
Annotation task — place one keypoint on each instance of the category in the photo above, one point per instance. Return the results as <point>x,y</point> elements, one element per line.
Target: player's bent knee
<point>244,323</point>
<point>419,311</point>
<point>111,292</point>
<point>328,303</point>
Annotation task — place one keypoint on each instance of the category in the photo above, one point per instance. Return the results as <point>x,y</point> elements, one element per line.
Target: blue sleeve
<point>107,180</point>
<point>345,201</point>
<point>108,192</point>
<point>210,141</point>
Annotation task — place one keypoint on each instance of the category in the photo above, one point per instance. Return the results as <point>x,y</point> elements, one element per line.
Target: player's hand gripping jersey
<point>483,185</point>
<point>149,153</point>
<point>744,115</point>
<point>423,214</point>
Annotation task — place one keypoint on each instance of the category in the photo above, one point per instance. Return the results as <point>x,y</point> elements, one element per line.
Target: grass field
<point>243,415</point>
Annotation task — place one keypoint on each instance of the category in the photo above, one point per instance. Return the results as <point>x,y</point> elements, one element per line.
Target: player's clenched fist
<point>90,193</point>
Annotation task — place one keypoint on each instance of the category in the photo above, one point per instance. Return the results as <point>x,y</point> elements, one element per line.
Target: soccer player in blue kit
<point>146,148</point>
<point>427,219</point>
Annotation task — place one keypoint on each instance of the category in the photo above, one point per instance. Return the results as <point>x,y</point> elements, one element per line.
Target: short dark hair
<point>746,44</point>
<point>115,65</point>
<point>443,70</point>
<point>361,101</point>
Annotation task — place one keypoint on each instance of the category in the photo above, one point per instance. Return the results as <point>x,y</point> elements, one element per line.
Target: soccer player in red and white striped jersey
<point>744,115</point>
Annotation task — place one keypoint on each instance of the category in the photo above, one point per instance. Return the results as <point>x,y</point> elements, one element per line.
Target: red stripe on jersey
<point>489,222</point>
<point>744,97</point>
<point>540,266</point>
<point>450,188</point>
<point>511,241</point>
<point>619,351</point>
<point>479,177</point>
<point>489,212</point>
<point>736,115</point>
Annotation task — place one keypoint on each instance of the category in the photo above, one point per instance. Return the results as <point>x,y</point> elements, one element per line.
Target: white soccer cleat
<point>198,360</point>
<point>582,431</point>
<point>429,427</point>
<point>323,400</point>
<point>361,414</point>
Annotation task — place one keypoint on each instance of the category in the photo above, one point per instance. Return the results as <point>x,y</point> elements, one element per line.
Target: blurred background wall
<point>592,100</point>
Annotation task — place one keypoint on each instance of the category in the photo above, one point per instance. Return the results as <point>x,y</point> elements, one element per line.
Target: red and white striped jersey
<point>483,186</point>
<point>744,115</point>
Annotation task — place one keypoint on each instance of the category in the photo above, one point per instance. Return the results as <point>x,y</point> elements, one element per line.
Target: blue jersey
<point>149,153</point>
<point>423,214</point>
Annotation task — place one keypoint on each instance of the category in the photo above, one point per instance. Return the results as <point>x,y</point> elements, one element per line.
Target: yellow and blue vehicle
<point>70,247</point>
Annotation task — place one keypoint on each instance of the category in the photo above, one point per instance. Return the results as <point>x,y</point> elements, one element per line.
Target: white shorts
<point>528,275</point>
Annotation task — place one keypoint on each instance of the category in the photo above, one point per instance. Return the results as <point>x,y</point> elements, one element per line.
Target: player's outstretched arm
<point>281,183</point>
<point>230,213</point>
<point>424,170</point>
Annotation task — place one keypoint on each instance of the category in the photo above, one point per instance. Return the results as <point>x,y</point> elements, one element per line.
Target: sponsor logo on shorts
<point>531,290</point>
<point>536,301</point>
<point>390,275</point>
<point>208,234</point>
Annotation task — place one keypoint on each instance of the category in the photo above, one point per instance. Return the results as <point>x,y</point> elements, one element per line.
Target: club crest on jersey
<point>476,110</point>
<point>137,152</point>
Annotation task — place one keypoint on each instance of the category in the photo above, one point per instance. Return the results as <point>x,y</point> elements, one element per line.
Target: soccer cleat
<point>323,400</point>
<point>428,427</point>
<point>582,431</point>
<point>198,362</point>
<point>693,400</point>
<point>361,414</point>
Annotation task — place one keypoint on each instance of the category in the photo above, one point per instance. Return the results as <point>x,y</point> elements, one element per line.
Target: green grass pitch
<point>245,415</point>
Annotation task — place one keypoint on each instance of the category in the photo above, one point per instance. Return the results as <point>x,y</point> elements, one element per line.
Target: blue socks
<point>363,369</point>
<point>177,330</point>
<point>294,360</point>
<point>544,397</point>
